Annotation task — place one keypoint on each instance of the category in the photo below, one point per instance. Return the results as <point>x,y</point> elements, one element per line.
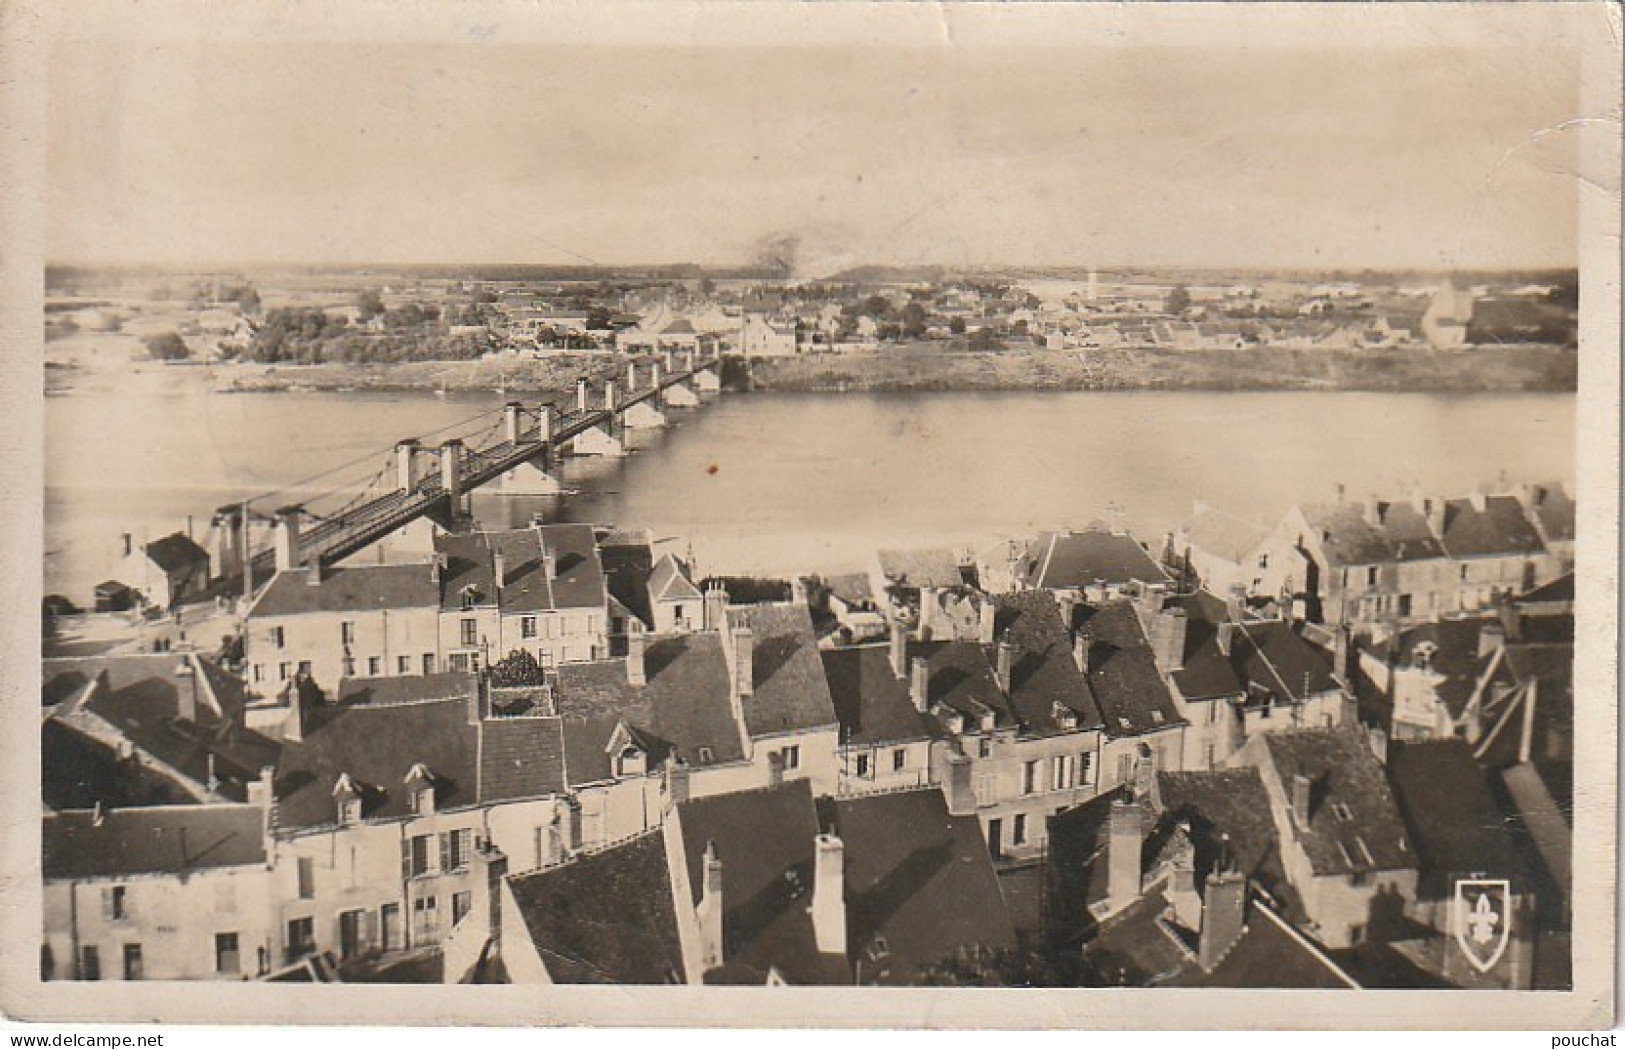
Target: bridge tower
<point>406,472</point>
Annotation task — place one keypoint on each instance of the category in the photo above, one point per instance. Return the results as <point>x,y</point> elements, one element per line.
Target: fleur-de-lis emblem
<point>1483,919</point>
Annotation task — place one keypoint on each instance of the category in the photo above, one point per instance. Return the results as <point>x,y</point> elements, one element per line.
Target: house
<point>1495,547</point>
<point>1551,510</point>
<point>1447,318</point>
<point>1095,561</point>
<point>1219,549</point>
<point>781,699</point>
<point>172,892</point>
<point>881,695</point>
<point>852,603</point>
<point>763,336</point>
<point>1459,831</point>
<point>899,577</point>
<point>166,572</point>
<point>1343,844</point>
<point>674,601</point>
<point>1140,716</point>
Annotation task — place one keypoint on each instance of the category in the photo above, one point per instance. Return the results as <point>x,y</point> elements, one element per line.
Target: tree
<point>914,321</point>
<point>956,325</point>
<point>368,304</point>
<point>166,347</point>
<point>518,669</point>
<point>599,319</point>
<point>248,300</point>
<point>1179,300</point>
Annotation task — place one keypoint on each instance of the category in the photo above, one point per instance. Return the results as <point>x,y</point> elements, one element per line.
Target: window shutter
<point>369,931</point>
<point>445,851</point>
<point>107,904</point>
<point>406,858</point>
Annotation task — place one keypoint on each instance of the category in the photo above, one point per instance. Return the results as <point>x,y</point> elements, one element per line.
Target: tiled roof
<point>921,568</point>
<point>349,588</point>
<point>606,917</point>
<point>765,840</point>
<point>789,693</point>
<point>1499,529</point>
<point>520,758</point>
<point>141,699</point>
<point>684,704</point>
<point>1222,534</point>
<point>1354,824</point>
<point>377,746</point>
<point>577,581</point>
<point>77,772</point>
<point>1123,673</point>
<point>1045,671</point>
<point>1554,508</point>
<point>1345,536</point>
<point>1057,560</point>
<point>175,552</point>
<point>1408,532</point>
<point>167,839</point>
<point>919,882</point>
<point>1229,815</point>
<point>1456,826</point>
<point>626,573</point>
<point>873,704</point>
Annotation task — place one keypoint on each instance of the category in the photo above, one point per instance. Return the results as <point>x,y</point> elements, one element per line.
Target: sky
<point>185,152</point>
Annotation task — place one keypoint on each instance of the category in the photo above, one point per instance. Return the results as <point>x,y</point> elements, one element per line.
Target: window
<point>1210,753</point>
<point>1263,562</point>
<point>115,903</point>
<point>461,904</point>
<point>374,666</point>
<point>455,849</point>
<point>347,632</point>
<point>1341,811</point>
<point>349,667</point>
<point>259,673</point>
<point>304,668</point>
<point>307,878</point>
<point>1085,771</point>
<point>1125,767</point>
<point>226,956</point>
<point>459,662</point>
<point>527,626</point>
<point>132,961</point>
<point>985,792</point>
<point>278,638</point>
<point>863,764</point>
<point>301,938</point>
<point>1371,576</point>
<point>90,962</point>
<point>984,748</point>
<point>899,760</point>
<point>403,664</point>
<point>1464,573</point>
<point>282,671</point>
<point>417,856</point>
<point>1018,831</point>
<point>1059,779</point>
<point>791,756</point>
<point>1029,777</point>
<point>428,662</point>
<point>470,632</point>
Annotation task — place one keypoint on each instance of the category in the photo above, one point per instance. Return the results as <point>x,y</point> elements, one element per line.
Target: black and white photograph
<point>1067,499</point>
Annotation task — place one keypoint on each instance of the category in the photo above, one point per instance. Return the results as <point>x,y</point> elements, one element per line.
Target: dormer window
<point>1065,716</point>
<point>420,790</point>
<point>987,721</point>
<point>631,762</point>
<point>347,796</point>
<point>470,597</point>
<point>956,723</point>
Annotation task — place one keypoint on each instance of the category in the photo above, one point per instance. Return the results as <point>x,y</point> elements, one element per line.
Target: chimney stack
<point>1372,511</point>
<point>1235,603</point>
<point>635,644</point>
<point>186,691</point>
<point>286,539</point>
<point>715,607</point>
<point>631,376</point>
<point>1224,909</point>
<point>920,684</point>
<point>676,782</point>
<point>1491,636</point>
<point>1067,601</point>
<point>262,795</point>
<point>1340,654</point>
<point>1081,642</point>
<point>961,794</point>
<point>829,898</point>
<point>1181,891</point>
<point>897,650</point>
<point>744,665</point>
<point>1169,627</point>
<point>1006,657</point>
<point>1124,842</point>
<point>985,622</point>
<point>1301,789</point>
<point>709,909</point>
<point>499,569</point>
<point>1223,637</point>
<point>1479,501</point>
<point>1511,620</point>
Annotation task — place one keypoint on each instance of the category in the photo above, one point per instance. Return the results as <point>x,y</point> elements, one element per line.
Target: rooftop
<point>1500,529</point>
<point>1123,674</point>
<point>1455,823</point>
<point>1354,824</point>
<point>167,839</point>
<point>1061,560</point>
<point>921,568</point>
<point>348,588</point>
<point>873,704</point>
<point>174,553</point>
<point>577,580</point>
<point>1222,534</point>
<point>789,693</point>
<point>1045,671</point>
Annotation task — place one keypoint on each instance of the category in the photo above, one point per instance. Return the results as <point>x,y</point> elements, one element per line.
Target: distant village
<point>1244,754</point>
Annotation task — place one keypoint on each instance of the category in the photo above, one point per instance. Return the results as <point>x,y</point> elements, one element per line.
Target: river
<point>780,482</point>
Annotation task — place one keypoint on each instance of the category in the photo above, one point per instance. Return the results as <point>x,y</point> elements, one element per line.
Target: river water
<point>781,482</point>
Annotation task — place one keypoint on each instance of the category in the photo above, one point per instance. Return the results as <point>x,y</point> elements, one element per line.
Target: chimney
<point>961,794</point>
<point>1433,510</point>
<point>550,563</point>
<point>1377,739</point>
<point>581,395</point>
<point>1491,636</point>
<point>1235,603</point>
<point>286,539</point>
<point>631,376</point>
<point>676,782</point>
<point>1147,789</point>
<point>1067,601</point>
<point>1526,737</point>
<point>451,472</point>
<point>262,795</point>
<point>654,377</point>
<point>1478,500</point>
<point>1170,627</point>
<point>920,684</point>
<point>129,544</point>
<point>293,726</point>
<point>1181,891</point>
<point>1007,655</point>
<point>1123,844</point>
<point>186,691</point>
<point>715,607</point>
<point>511,424</point>
<point>709,909</point>
<point>1372,511</point>
<point>315,572</point>
<point>635,645</point>
<point>985,623</point>
<point>1223,637</point>
<point>829,899</point>
<point>499,569</point>
<point>897,651</point>
<point>744,665</point>
<point>1340,654</point>
<point>1081,642</point>
<point>1301,789</point>
<point>1511,620</point>
<point>1224,908</point>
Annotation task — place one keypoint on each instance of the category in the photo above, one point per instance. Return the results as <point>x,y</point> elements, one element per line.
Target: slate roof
<point>348,588</point>
<point>1123,674</point>
<point>140,699</point>
<point>1344,535</point>
<point>765,840</point>
<point>578,577</point>
<point>684,706</point>
<point>1222,534</point>
<point>407,688</point>
<point>166,839</point>
<point>853,588</point>
<point>789,691</point>
<point>1560,589</point>
<point>1059,560</point>
<point>175,553</point>
<point>377,745</point>
<point>626,567</point>
<point>918,881</point>
<point>921,568</point>
<point>1500,529</point>
<point>669,582</point>
<point>1044,671</point>
<point>1229,815</point>
<point>1554,508</point>
<point>605,917</point>
<point>1455,824</point>
<point>1408,532</point>
<point>1345,778</point>
<point>874,705</point>
<point>520,758</point>
<point>77,772</point>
